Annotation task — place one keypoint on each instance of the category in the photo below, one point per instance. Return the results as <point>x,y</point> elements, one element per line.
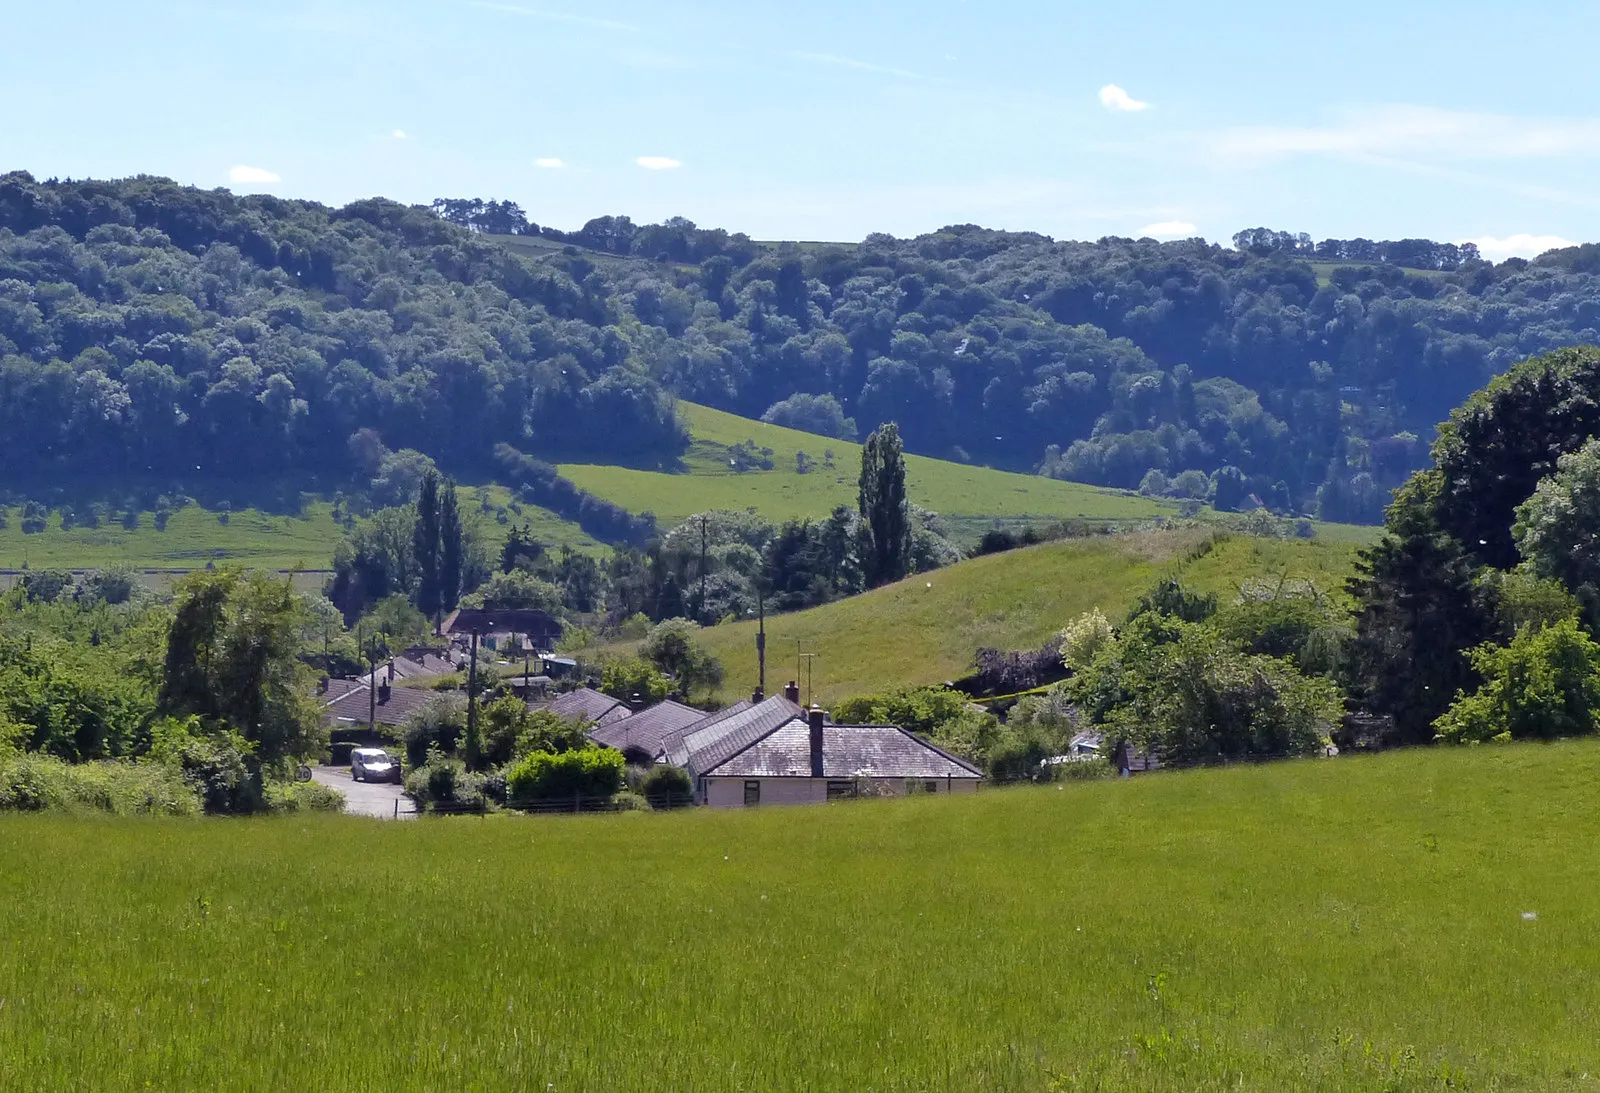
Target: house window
<point>838,791</point>
<point>752,793</point>
<point>930,785</point>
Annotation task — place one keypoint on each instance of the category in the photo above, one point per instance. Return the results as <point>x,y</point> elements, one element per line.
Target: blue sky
<point>829,120</point>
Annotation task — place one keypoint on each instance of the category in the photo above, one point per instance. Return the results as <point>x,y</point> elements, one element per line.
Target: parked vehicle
<point>373,765</point>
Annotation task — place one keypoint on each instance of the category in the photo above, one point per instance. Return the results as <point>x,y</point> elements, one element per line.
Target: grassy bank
<point>1355,924</point>
<point>967,495</point>
<point>926,629</point>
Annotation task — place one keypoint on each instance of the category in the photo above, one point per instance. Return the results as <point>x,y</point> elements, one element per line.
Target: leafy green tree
<point>518,589</point>
<point>425,547</point>
<point>626,677</point>
<point>673,647</point>
<point>1418,609</point>
<point>885,513</point>
<point>1558,529</point>
<point>231,659</point>
<point>1544,685</point>
<point>452,550</point>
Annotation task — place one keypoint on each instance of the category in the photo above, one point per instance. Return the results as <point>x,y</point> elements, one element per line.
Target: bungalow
<point>776,752</point>
<point>355,706</point>
<point>640,737</point>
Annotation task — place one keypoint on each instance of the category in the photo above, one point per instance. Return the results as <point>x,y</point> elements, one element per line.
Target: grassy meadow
<point>195,535</point>
<point>1413,921</point>
<point>969,497</point>
<point>925,630</point>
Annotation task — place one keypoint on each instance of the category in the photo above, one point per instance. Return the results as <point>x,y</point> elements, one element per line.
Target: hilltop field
<point>925,630</point>
<point>1413,921</point>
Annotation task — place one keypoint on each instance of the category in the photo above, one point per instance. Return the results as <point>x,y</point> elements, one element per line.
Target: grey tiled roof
<point>714,739</point>
<point>645,730</point>
<point>586,704</point>
<point>354,706</point>
<point>848,751</point>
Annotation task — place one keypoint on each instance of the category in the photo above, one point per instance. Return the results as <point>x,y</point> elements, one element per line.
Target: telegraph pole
<point>761,641</point>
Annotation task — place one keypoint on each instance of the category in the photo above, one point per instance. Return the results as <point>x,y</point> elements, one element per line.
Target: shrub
<point>442,784</point>
<point>303,797</point>
<point>667,785</point>
<point>628,676</point>
<point>1543,685</point>
<point>584,772</point>
<point>440,724</point>
<point>34,782</point>
<point>215,764</point>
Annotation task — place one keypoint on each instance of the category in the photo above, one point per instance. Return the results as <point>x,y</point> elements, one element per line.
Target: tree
<point>630,677</point>
<point>673,647</point>
<point>452,549</point>
<point>1557,530</point>
<point>885,513</point>
<point>231,659</point>
<point>425,547</point>
<point>1544,685</point>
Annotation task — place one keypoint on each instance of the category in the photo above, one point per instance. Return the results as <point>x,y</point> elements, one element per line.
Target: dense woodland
<point>189,335</point>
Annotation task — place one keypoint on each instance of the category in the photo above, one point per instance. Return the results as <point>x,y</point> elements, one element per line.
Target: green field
<point>1415,921</point>
<point>925,630</point>
<point>969,497</point>
<point>195,536</point>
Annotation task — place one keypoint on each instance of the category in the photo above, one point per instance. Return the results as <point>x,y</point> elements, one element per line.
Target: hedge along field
<point>926,629</point>
<point>954,490</point>
<point>1407,922</point>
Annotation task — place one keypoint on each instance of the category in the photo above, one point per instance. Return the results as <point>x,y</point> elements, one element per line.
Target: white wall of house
<point>730,792</point>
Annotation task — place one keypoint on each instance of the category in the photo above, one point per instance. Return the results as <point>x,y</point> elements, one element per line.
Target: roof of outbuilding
<point>354,706</point>
<point>645,730</point>
<point>708,742</point>
<point>848,751</point>
<point>586,704</point>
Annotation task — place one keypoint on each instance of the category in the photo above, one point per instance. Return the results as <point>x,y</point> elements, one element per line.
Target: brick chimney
<point>384,691</point>
<point>757,696</point>
<point>791,691</point>
<point>816,717</point>
<point>391,671</point>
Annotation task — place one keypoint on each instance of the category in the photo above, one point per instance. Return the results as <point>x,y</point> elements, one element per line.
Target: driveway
<point>377,799</point>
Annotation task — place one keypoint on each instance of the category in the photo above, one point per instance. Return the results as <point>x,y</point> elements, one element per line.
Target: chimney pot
<point>791,691</point>
<point>756,696</point>
<point>815,717</point>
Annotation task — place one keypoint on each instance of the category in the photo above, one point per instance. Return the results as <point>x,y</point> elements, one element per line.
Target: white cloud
<point>836,61</point>
<point>550,163</point>
<point>1113,97</point>
<point>556,16</point>
<point>252,175</point>
<point>398,134</point>
<point>657,163</point>
<point>1415,131</point>
<point>1168,229</point>
<point>1521,245</point>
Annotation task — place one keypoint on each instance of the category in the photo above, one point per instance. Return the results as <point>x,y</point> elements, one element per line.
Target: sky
<point>832,119</point>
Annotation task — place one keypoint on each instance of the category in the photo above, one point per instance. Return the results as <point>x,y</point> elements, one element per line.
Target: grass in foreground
<point>926,629</point>
<point>1415,921</point>
<point>962,493</point>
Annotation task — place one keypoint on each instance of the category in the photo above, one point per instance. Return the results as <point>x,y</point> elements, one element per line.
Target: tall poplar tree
<point>451,548</point>
<point>885,515</point>
<point>425,548</point>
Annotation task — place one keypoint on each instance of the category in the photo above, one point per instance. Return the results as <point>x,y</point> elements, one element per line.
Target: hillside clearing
<point>1407,922</point>
<point>925,630</point>
<point>965,495</point>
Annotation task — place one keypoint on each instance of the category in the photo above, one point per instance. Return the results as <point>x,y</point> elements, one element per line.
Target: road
<point>365,798</point>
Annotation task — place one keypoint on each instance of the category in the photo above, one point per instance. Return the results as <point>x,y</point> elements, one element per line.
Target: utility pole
<point>804,659</point>
<point>701,609</point>
<point>761,641</point>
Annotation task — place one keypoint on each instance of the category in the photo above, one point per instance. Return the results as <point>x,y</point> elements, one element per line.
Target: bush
<point>667,785</point>
<point>442,784</point>
<point>216,765</point>
<point>584,772</point>
<point>1544,685</point>
<point>303,797</point>
<point>32,782</point>
<point>439,725</point>
<point>628,676</point>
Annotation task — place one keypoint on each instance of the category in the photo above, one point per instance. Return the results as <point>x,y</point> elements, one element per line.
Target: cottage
<point>355,704</point>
